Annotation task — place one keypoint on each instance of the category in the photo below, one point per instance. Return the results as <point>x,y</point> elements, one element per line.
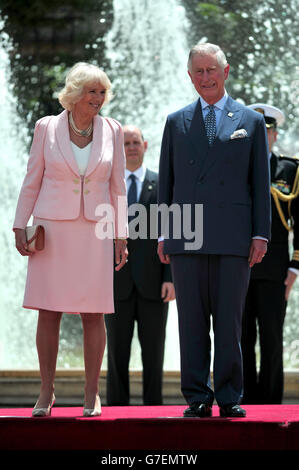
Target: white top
<point>81,156</point>
<point>140,175</point>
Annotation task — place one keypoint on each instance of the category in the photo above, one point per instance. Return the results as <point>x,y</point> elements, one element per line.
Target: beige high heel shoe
<point>96,411</point>
<point>40,412</point>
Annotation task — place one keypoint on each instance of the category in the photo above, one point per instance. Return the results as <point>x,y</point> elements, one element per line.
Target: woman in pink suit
<point>76,167</point>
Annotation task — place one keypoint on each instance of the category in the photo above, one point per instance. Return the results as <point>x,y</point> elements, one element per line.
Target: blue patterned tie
<point>132,193</point>
<point>210,123</point>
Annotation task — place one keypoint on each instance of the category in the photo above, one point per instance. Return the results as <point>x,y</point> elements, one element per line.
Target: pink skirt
<point>74,272</point>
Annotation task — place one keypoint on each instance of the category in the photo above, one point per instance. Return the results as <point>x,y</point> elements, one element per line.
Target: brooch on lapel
<point>230,114</point>
<point>151,185</point>
<point>239,134</point>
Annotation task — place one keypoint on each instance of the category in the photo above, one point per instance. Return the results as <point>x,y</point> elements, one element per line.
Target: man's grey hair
<point>207,49</point>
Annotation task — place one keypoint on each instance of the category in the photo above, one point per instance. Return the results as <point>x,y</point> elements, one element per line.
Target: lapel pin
<point>230,114</point>
<point>149,187</point>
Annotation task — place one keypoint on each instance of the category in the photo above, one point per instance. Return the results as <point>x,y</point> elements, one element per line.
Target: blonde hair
<point>207,49</point>
<point>80,75</point>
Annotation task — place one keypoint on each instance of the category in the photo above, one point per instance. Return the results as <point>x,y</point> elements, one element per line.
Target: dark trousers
<point>264,313</point>
<point>210,285</point>
<point>151,318</point>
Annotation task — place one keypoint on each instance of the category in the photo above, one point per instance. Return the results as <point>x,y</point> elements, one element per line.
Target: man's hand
<point>257,251</point>
<point>167,291</point>
<point>121,253</point>
<point>163,258</point>
<point>290,279</point>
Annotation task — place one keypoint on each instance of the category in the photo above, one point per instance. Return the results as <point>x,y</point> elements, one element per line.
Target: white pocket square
<point>239,134</point>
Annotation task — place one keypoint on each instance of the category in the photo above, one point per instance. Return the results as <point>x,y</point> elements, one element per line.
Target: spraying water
<point>148,69</point>
<point>13,151</point>
<point>147,50</point>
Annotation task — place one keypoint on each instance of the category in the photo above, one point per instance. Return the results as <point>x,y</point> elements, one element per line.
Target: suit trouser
<point>210,285</point>
<point>265,307</point>
<point>151,318</point>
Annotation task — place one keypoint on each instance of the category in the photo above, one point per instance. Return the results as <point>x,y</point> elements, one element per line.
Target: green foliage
<point>259,38</point>
<point>47,39</point>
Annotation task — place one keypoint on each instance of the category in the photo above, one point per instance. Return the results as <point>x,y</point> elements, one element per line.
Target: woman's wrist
<point>121,239</point>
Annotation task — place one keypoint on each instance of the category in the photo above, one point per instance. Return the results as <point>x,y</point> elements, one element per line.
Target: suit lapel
<point>195,129</point>
<point>229,122</point>
<point>148,186</point>
<point>97,145</point>
<point>64,142</point>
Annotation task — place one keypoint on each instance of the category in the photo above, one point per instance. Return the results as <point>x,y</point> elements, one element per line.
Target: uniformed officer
<point>272,279</point>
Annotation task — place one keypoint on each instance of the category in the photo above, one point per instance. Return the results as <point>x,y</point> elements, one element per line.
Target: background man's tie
<point>210,123</point>
<point>132,193</point>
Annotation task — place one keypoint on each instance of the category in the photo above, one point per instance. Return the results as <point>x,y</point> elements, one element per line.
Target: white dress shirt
<point>219,106</point>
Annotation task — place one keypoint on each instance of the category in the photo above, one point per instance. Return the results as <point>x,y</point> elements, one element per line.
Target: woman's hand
<point>21,242</point>
<point>121,253</point>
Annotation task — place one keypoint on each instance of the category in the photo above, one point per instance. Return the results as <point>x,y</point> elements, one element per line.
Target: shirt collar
<point>220,104</point>
<point>139,173</point>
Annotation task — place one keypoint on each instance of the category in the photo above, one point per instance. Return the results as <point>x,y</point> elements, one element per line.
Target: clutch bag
<point>35,236</point>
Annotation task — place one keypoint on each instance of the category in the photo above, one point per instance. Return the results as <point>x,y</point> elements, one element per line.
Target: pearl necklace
<point>85,133</point>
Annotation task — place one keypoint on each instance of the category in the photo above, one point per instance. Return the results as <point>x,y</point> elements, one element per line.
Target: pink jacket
<point>52,187</point>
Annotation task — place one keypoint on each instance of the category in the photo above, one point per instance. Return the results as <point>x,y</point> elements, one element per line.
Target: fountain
<point>147,58</point>
<point>145,74</point>
<point>148,66</point>
<point>13,163</point>
<point>148,69</point>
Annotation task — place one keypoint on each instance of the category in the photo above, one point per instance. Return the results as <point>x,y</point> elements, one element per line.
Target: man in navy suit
<point>214,153</point>
<point>142,290</point>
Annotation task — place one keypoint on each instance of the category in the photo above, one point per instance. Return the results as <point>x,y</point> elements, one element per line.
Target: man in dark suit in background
<point>272,280</point>
<point>142,290</point>
<point>214,153</point>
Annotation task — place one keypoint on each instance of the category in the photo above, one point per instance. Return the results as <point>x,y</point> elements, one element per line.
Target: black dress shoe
<point>198,410</point>
<point>232,411</point>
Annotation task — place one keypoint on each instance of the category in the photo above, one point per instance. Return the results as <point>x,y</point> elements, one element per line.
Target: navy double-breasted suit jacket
<point>230,178</point>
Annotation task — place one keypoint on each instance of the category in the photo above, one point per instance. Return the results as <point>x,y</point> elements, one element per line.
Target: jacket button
<point>86,191</point>
<point>191,162</point>
<point>87,180</point>
<point>76,191</point>
<point>76,180</point>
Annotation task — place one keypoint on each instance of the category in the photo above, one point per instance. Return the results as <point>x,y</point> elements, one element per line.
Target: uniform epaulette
<point>279,196</point>
<point>293,159</point>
